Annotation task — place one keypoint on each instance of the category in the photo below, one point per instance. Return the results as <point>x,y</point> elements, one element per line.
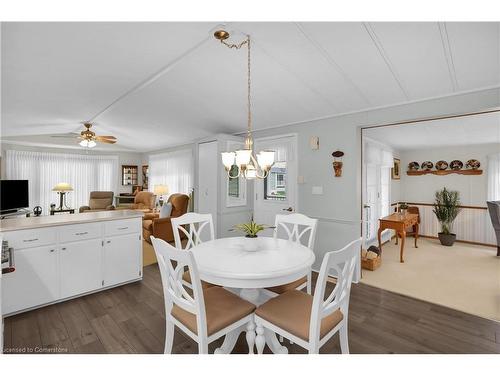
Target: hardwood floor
<point>130,319</point>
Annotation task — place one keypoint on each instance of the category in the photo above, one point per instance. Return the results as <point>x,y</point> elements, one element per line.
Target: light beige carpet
<point>463,277</point>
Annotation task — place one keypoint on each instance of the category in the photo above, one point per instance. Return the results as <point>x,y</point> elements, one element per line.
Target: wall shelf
<point>470,172</point>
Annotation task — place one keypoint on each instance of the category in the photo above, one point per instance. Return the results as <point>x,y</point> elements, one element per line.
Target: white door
<point>35,280</point>
<point>208,164</point>
<point>81,267</point>
<point>277,193</point>
<point>376,203</point>
<point>122,259</point>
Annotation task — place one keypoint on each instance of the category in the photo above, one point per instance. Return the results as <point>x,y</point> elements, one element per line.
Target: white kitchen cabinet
<point>35,281</point>
<point>122,258</point>
<point>80,267</point>
<point>61,257</point>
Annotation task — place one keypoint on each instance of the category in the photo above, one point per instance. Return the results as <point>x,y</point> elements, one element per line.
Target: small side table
<point>70,210</point>
<point>399,223</point>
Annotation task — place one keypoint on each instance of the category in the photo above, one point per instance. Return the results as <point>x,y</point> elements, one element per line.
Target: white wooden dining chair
<point>194,227</point>
<point>298,228</point>
<point>205,314</point>
<point>311,321</point>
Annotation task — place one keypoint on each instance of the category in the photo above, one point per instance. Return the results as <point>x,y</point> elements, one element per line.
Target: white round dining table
<point>247,266</point>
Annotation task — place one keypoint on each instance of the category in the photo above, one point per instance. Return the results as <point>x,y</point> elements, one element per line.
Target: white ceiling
<point>57,74</point>
<point>459,131</point>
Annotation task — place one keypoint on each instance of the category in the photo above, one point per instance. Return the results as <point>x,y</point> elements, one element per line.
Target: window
<point>493,175</point>
<point>174,169</point>
<point>233,185</point>
<point>43,170</point>
<point>275,182</point>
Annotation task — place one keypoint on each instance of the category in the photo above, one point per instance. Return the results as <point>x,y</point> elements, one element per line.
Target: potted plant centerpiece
<point>251,229</point>
<point>446,209</point>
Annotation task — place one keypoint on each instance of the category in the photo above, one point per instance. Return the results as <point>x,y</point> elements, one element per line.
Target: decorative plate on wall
<point>441,165</point>
<point>413,166</point>
<point>473,164</point>
<point>456,165</point>
<point>427,165</point>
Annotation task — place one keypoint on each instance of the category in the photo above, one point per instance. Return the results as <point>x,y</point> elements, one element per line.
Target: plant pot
<point>251,236</point>
<point>447,239</point>
<point>250,244</point>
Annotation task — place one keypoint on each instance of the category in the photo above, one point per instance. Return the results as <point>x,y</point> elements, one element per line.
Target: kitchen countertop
<point>56,220</point>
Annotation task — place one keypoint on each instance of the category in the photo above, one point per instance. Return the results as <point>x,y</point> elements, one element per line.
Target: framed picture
<point>396,169</point>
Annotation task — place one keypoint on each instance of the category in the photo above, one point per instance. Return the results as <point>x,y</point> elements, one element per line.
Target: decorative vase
<point>337,167</point>
<point>447,239</point>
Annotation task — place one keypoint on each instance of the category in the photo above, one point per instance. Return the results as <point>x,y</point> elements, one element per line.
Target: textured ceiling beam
<point>152,78</point>
<point>330,60</point>
<point>445,41</point>
<point>385,57</point>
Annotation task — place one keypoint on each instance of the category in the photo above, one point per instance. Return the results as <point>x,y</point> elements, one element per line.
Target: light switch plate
<point>317,190</point>
<point>314,143</point>
<point>300,179</point>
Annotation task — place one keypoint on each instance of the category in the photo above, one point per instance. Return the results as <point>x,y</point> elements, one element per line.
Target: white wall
<point>472,189</point>
<point>124,158</point>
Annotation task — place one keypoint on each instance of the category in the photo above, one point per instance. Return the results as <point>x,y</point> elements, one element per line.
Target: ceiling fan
<point>88,138</point>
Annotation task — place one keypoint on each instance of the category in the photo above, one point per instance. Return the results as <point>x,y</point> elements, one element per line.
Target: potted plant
<point>251,229</point>
<point>446,209</point>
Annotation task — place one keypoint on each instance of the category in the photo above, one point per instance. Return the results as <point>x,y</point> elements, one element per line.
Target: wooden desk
<point>399,223</point>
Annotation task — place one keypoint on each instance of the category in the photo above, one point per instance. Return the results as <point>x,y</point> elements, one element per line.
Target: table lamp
<point>160,190</point>
<point>62,188</point>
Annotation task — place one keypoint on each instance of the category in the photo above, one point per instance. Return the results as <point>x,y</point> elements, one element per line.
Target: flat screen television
<point>13,195</point>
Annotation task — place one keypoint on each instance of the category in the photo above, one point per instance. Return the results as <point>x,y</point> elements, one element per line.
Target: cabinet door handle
<point>108,241</point>
<point>122,228</point>
<point>52,250</point>
<point>63,248</point>
<point>31,240</point>
<point>81,233</point>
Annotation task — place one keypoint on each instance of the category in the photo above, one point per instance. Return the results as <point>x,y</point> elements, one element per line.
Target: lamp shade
<point>228,159</point>
<point>160,189</point>
<point>62,186</point>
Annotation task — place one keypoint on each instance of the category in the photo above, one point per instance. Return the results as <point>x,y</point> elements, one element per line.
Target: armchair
<point>494,208</point>
<point>143,201</point>
<point>152,225</point>
<point>99,201</point>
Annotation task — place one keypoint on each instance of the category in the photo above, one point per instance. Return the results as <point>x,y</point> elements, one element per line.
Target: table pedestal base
<point>256,297</point>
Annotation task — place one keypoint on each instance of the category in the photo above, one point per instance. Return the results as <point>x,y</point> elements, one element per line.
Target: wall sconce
<point>337,162</point>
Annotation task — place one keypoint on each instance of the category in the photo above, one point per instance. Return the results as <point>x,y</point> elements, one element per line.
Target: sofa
<point>143,201</point>
<point>99,201</point>
<point>494,208</point>
<point>153,225</point>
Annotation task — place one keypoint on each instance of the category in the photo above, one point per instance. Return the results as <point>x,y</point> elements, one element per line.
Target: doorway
<point>277,193</point>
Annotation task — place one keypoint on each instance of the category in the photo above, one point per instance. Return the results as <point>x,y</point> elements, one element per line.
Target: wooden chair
<point>205,314</point>
<point>311,321</point>
<point>194,227</point>
<point>411,210</point>
<point>298,228</point>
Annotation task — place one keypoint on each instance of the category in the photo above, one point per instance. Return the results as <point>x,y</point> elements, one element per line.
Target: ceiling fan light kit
<point>89,139</point>
<point>249,166</point>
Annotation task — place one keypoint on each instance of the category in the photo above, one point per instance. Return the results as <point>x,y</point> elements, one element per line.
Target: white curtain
<point>43,170</point>
<point>493,175</point>
<point>174,169</point>
<point>377,154</point>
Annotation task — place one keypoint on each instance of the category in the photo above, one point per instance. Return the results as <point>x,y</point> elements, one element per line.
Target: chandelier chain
<point>249,99</point>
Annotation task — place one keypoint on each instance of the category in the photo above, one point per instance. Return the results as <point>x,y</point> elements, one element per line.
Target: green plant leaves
<point>446,208</point>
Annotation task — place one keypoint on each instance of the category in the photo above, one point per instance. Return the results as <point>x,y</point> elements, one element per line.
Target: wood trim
<point>432,204</point>
<point>463,241</point>
<point>470,172</point>
<point>426,119</point>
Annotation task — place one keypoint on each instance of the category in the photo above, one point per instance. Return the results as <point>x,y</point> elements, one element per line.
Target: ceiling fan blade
<point>106,136</point>
<point>65,135</point>
<point>104,140</point>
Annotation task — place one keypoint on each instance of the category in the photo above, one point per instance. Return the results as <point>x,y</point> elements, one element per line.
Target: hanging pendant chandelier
<point>248,164</point>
